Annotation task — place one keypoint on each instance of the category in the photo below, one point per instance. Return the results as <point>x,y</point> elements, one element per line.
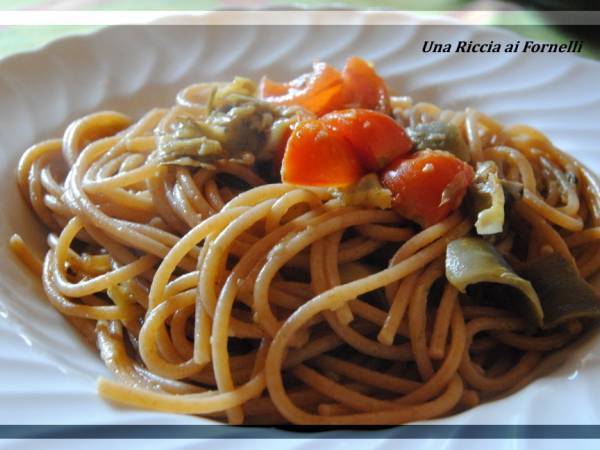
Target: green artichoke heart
<point>487,197</point>
<point>475,267</point>
<point>440,135</point>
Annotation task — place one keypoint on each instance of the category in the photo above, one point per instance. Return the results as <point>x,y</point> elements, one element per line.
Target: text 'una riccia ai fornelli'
<point>501,47</point>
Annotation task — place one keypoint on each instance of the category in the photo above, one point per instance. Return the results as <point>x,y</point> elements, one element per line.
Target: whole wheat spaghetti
<point>210,287</point>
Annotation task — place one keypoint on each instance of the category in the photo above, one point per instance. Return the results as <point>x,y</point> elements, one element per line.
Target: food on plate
<point>318,251</point>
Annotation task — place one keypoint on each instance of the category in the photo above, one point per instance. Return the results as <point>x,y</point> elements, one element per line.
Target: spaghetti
<point>210,290</point>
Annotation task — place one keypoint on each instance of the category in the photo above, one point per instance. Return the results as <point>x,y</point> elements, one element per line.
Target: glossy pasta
<point>208,290</point>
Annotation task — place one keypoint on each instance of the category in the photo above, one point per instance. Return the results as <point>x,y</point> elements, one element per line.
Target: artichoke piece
<point>241,123</point>
<point>513,190</point>
<point>235,125</point>
<point>239,85</point>
<point>368,192</point>
<point>487,196</point>
<point>213,94</point>
<point>439,135</point>
<point>475,267</point>
<point>188,128</point>
<point>564,294</point>
<point>193,152</point>
<point>237,129</point>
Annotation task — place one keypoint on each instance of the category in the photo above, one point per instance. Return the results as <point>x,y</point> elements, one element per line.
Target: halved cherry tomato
<point>318,92</point>
<point>376,137</point>
<point>327,89</point>
<point>427,185</point>
<point>317,156</point>
<point>363,88</point>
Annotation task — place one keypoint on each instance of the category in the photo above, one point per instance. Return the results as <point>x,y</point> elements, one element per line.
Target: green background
<point>529,22</point>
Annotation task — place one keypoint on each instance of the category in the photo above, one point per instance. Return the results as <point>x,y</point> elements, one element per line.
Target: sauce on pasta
<point>335,297</point>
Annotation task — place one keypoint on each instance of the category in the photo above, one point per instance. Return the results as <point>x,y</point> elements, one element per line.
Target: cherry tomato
<point>376,137</point>
<point>326,89</point>
<point>317,156</point>
<point>427,185</point>
<point>318,92</point>
<point>363,88</point>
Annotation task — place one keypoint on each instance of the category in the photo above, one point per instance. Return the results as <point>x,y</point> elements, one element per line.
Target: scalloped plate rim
<point>49,47</point>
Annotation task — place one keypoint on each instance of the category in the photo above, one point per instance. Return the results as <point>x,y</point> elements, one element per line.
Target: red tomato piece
<point>363,88</point>
<point>376,137</point>
<point>317,156</point>
<point>318,92</point>
<point>427,185</point>
<point>325,89</point>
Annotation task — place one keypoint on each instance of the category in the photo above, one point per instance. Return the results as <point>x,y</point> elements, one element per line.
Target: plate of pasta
<point>311,225</point>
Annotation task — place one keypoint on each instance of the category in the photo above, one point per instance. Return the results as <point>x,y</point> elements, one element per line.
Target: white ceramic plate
<point>48,375</point>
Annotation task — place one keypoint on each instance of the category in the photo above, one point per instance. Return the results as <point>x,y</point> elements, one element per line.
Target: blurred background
<point>543,20</point>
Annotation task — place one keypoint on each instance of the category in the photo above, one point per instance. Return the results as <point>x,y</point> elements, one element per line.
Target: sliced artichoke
<point>367,192</point>
<point>487,197</point>
<point>475,267</point>
<point>564,294</point>
<point>193,152</point>
<point>241,124</point>
<point>439,135</point>
<point>240,86</point>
